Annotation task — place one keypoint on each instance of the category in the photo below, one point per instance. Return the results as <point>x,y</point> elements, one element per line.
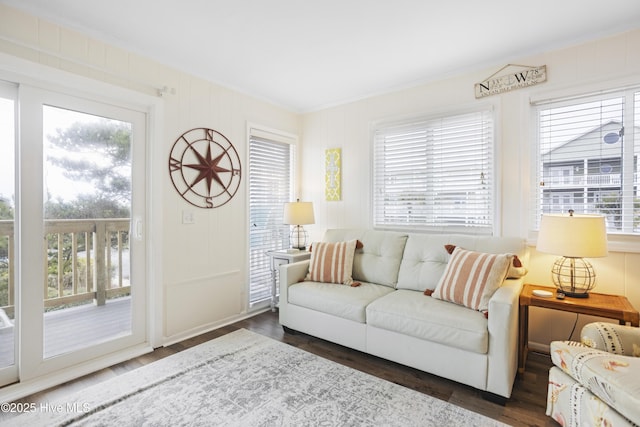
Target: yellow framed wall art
<point>333,175</point>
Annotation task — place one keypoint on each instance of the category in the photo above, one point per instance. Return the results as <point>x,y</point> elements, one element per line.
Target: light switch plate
<point>188,217</point>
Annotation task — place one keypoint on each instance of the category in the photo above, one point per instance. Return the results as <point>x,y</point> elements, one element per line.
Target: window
<point>588,158</point>
<point>435,173</point>
<point>271,166</point>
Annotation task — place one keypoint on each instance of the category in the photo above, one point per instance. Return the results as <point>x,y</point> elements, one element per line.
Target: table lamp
<point>298,214</point>
<point>574,237</point>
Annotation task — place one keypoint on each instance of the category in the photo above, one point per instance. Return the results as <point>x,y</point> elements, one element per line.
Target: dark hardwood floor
<point>525,408</point>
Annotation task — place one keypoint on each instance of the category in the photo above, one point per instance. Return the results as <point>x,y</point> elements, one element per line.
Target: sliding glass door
<point>87,217</point>
<point>8,367</point>
<point>80,262</point>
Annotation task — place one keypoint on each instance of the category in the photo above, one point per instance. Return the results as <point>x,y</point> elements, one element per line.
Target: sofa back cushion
<point>425,257</point>
<point>378,261</point>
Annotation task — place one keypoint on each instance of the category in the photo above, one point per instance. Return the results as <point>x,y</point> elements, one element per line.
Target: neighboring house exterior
<point>586,174</point>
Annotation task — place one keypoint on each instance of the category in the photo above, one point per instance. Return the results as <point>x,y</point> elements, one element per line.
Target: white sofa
<point>389,315</point>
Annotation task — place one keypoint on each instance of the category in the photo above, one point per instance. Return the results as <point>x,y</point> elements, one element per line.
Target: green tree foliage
<point>6,214</point>
<point>86,206</point>
<point>109,144</point>
<point>109,174</point>
<point>6,209</point>
<point>611,207</point>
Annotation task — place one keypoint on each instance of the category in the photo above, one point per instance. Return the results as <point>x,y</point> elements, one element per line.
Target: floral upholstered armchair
<point>596,382</point>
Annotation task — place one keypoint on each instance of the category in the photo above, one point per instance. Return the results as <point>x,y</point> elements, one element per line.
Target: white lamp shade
<point>573,236</point>
<point>298,213</point>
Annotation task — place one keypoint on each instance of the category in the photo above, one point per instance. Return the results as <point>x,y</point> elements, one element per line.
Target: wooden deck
<point>74,328</point>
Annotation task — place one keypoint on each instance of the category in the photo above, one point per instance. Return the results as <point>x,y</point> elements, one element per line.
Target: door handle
<point>138,228</point>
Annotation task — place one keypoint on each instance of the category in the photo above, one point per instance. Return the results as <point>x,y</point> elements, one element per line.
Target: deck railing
<point>84,260</point>
<point>591,180</point>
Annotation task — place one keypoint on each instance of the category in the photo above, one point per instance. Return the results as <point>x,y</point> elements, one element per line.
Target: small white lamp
<point>298,214</point>
<point>574,237</point>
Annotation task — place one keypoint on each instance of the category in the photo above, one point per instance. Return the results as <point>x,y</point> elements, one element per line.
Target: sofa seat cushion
<point>343,301</point>
<point>412,313</point>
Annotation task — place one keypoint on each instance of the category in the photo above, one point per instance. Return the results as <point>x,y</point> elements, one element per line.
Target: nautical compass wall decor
<point>205,168</point>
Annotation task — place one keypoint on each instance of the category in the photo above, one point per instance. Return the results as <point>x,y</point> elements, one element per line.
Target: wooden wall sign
<point>524,77</point>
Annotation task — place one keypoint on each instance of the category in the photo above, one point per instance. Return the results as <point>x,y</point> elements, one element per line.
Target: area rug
<point>246,379</point>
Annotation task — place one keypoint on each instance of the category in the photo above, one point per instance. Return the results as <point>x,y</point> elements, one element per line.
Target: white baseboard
<point>22,389</point>
<point>539,348</point>
<point>167,341</point>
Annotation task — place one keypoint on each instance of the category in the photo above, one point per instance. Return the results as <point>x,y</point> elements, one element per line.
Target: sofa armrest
<point>289,275</point>
<point>503,337</point>
<point>613,338</point>
<point>507,294</point>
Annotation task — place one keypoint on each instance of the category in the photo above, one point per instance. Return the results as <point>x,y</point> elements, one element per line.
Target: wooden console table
<point>602,305</point>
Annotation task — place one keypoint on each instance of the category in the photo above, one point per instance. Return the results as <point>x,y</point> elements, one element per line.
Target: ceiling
<point>305,55</point>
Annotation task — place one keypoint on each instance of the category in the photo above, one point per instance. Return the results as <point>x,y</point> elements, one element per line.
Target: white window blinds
<point>587,158</point>
<point>435,174</point>
<point>270,186</point>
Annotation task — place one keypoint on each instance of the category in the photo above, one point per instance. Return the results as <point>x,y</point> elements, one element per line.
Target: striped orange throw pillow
<point>471,278</point>
<point>332,263</point>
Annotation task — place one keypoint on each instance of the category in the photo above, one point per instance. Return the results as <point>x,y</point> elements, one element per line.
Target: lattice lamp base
<point>574,277</point>
<point>298,237</point>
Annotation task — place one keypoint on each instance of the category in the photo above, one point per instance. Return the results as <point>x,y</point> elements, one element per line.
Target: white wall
<point>202,267</point>
<point>590,66</point>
